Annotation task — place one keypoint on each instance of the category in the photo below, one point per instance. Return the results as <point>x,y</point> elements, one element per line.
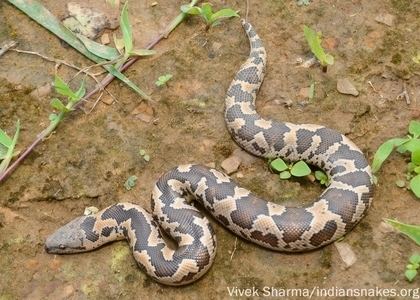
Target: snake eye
<point>61,246</point>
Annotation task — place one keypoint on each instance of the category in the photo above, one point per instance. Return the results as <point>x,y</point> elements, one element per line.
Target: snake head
<point>68,239</point>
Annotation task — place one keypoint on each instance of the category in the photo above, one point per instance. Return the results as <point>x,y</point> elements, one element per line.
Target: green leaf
<point>206,11</point>
<point>223,13</point>
<point>415,259</point>
<point>311,93</point>
<point>80,92</point>
<point>162,80</point>
<point>415,185</point>
<point>285,175</point>
<point>126,29</point>
<point>415,157</point>
<point>131,182</point>
<point>384,151</point>
<point>314,41</point>
<point>98,49</point>
<point>52,117</point>
<point>142,52</point>
<point>58,105</point>
<point>411,145</point>
<point>410,274</point>
<point>62,88</point>
<point>278,165</point>
<point>10,151</point>
<point>300,169</point>
<point>412,231</point>
<point>319,175</point>
<point>414,128</point>
<point>417,170</point>
<point>5,140</point>
<point>190,10</point>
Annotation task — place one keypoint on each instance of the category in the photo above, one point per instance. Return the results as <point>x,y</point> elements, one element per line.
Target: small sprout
<point>162,80</point>
<point>7,147</point>
<point>322,178</point>
<point>303,2</point>
<point>206,13</point>
<point>412,267</point>
<point>130,182</point>
<point>314,40</point>
<point>145,156</point>
<point>299,169</point>
<point>415,185</point>
<point>311,93</point>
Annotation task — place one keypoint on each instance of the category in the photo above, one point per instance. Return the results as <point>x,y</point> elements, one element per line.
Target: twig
<point>404,95</point>
<point>234,249</point>
<point>57,61</point>
<point>6,46</point>
<point>107,80</point>
<point>247,10</point>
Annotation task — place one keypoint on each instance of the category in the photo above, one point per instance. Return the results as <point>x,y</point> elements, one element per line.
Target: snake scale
<point>337,210</point>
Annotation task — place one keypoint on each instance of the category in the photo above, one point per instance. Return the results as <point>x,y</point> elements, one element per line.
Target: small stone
<point>107,99</point>
<point>330,43</point>
<point>240,175</point>
<point>245,158</point>
<point>153,4</point>
<point>105,39</point>
<point>385,227</point>
<point>231,164</point>
<point>211,165</point>
<point>91,210</point>
<point>386,19</point>
<point>344,86</point>
<point>304,93</point>
<point>144,112</point>
<point>346,253</point>
<point>42,91</point>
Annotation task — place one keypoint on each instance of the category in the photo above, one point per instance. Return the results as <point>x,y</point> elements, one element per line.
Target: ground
<point>90,156</point>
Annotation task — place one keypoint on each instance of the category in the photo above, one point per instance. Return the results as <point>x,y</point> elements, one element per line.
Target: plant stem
<point>107,80</point>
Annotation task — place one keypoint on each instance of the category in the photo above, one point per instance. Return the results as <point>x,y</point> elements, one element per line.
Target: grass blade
<point>5,140</point>
<point>412,231</point>
<point>126,29</point>
<point>100,50</point>
<point>9,154</point>
<point>37,12</point>
<point>384,151</point>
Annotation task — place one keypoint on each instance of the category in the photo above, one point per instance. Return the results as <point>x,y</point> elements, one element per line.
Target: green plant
<point>206,13</point>
<point>412,267</point>
<point>297,169</point>
<point>409,144</point>
<point>7,147</point>
<point>124,47</point>
<point>412,231</point>
<point>162,80</point>
<point>130,182</point>
<point>143,154</point>
<point>303,2</point>
<point>314,40</point>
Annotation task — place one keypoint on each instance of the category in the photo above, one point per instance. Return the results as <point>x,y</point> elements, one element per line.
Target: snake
<point>175,243</point>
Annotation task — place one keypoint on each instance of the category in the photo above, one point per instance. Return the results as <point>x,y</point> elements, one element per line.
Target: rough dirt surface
<point>90,156</point>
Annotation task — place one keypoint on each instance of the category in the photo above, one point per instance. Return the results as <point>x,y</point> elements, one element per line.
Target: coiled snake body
<point>274,226</point>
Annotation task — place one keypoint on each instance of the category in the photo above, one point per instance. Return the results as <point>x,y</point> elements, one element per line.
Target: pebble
<point>231,164</point>
<point>386,19</point>
<point>42,91</point>
<point>144,112</point>
<point>107,99</point>
<point>211,165</point>
<point>344,86</point>
<point>91,210</point>
<point>105,39</point>
<point>346,253</point>
<point>245,158</point>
